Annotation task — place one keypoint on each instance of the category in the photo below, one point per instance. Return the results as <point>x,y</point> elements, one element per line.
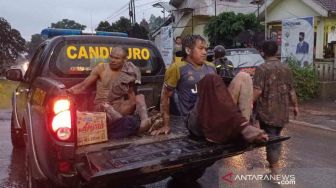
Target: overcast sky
<point>31,16</point>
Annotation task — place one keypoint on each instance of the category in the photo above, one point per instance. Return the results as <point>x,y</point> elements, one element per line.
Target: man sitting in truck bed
<point>184,77</point>
<point>115,94</point>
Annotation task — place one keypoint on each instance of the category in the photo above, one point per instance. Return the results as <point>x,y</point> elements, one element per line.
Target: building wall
<point>203,10</point>
<point>198,26</point>
<point>285,9</point>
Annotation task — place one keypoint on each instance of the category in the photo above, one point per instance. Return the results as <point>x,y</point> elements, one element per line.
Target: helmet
<point>219,51</point>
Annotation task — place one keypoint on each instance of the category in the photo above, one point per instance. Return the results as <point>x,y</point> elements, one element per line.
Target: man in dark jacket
<point>224,66</point>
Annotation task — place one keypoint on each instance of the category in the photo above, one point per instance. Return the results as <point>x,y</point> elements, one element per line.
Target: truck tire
<point>30,180</point>
<point>190,175</point>
<point>16,135</point>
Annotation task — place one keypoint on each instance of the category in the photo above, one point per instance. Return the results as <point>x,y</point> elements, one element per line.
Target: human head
<point>194,49</point>
<point>270,48</point>
<point>178,40</point>
<point>301,36</point>
<point>219,51</point>
<point>118,57</point>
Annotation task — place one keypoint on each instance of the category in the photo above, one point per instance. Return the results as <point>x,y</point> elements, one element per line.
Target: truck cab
<point>44,121</point>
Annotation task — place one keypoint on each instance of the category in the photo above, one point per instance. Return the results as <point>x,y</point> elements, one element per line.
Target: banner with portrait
<point>298,40</point>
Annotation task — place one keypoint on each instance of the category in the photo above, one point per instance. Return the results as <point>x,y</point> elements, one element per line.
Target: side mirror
<point>14,75</point>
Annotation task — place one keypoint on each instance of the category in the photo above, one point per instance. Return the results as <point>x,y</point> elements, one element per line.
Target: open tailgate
<point>137,160</point>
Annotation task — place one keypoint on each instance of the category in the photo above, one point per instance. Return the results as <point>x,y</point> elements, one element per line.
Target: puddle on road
<point>12,167</point>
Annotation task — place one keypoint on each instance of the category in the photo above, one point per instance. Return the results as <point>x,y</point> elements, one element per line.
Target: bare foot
<point>261,138</point>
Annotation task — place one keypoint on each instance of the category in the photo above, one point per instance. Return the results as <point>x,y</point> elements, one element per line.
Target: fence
<point>326,68</point>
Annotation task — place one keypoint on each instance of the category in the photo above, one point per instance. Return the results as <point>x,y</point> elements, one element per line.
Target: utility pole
<point>131,9</point>
<point>216,21</point>
<point>134,18</point>
<point>265,19</point>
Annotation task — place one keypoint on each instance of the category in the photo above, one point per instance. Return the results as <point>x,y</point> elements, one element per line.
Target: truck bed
<point>157,155</point>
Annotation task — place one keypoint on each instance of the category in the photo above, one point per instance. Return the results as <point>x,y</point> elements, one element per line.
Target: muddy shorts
<point>273,151</point>
<point>123,127</point>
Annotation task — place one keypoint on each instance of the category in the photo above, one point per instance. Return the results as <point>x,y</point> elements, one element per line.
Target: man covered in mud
<point>116,95</point>
<point>203,98</point>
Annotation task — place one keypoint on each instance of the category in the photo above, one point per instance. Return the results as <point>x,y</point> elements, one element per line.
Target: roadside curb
<point>320,113</point>
<point>312,125</point>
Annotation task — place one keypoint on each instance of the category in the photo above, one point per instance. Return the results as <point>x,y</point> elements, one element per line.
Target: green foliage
<point>104,26</point>
<point>124,25</point>
<point>6,87</point>
<point>306,80</point>
<point>68,24</point>
<point>35,41</point>
<point>144,24</point>
<point>11,43</point>
<point>228,25</point>
<point>155,22</point>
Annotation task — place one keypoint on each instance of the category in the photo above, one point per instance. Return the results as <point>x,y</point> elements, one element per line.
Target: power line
<point>144,4</point>
<point>125,7</point>
<point>118,11</point>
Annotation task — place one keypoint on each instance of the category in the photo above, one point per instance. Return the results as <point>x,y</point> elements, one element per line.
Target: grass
<point>6,90</point>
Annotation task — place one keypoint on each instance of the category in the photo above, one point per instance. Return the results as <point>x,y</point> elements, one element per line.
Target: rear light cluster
<point>61,124</point>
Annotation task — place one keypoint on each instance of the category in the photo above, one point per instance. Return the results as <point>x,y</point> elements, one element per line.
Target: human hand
<point>156,122</point>
<point>105,105</point>
<point>162,130</point>
<point>69,91</point>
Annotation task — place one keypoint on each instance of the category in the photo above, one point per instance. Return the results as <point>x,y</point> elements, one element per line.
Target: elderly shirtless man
<point>116,94</point>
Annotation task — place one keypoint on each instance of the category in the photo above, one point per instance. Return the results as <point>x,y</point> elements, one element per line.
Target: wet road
<point>309,157</point>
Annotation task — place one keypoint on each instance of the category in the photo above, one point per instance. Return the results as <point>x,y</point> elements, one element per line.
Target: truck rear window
<point>79,59</point>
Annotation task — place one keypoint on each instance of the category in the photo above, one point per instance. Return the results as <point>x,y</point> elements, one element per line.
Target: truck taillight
<point>61,105</point>
<point>61,123</point>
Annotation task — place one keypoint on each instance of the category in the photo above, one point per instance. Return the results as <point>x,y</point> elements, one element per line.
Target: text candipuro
<point>91,52</point>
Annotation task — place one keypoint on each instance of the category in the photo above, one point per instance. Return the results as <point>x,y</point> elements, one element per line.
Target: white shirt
<point>332,36</point>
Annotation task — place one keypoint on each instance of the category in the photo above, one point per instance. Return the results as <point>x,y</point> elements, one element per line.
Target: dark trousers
<point>273,151</point>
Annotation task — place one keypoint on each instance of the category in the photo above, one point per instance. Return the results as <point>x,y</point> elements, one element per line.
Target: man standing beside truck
<point>273,91</point>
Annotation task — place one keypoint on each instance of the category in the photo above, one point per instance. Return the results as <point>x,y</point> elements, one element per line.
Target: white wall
<point>285,9</point>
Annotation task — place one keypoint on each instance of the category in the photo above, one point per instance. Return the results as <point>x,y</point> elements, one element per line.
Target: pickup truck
<point>46,127</point>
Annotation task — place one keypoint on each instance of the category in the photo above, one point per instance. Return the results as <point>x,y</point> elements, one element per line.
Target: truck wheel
<point>31,182</point>
<point>188,176</point>
<point>16,135</point>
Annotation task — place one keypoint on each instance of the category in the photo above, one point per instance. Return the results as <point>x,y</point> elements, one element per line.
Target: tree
<point>124,25</point>
<point>11,43</point>
<point>68,24</point>
<point>144,24</point>
<point>104,26</point>
<point>35,41</point>
<point>227,25</point>
<point>155,22</point>
<point>138,31</point>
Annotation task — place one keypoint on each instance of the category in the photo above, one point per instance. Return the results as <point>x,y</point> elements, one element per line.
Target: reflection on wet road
<point>12,173</point>
<point>309,155</point>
